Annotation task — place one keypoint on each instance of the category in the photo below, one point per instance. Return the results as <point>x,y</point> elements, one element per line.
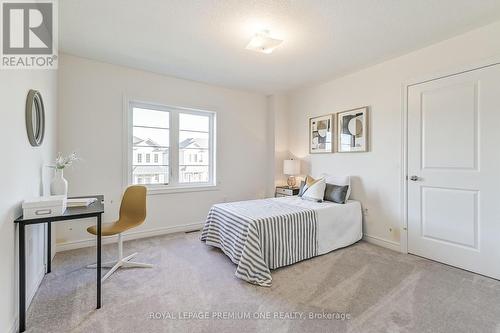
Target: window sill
<point>181,189</point>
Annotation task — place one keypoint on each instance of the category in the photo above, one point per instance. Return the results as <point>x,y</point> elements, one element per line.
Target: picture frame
<point>35,118</point>
<point>321,138</point>
<point>352,130</point>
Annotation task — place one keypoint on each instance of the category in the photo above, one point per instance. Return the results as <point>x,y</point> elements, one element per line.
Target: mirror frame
<point>35,108</point>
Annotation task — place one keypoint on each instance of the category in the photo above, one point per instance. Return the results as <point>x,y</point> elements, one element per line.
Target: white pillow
<point>340,181</point>
<point>315,192</point>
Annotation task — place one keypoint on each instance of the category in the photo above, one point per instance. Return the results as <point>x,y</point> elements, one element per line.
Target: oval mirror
<point>35,118</point>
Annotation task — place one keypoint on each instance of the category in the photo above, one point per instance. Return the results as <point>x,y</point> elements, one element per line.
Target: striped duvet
<point>260,235</point>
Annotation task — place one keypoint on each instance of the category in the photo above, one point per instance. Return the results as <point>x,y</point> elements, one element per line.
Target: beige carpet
<point>377,290</point>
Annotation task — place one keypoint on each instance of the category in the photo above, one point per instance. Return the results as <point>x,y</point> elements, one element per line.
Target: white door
<point>454,170</point>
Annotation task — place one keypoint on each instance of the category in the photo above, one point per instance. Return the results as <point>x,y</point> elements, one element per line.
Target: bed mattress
<point>338,225</point>
<point>261,235</point>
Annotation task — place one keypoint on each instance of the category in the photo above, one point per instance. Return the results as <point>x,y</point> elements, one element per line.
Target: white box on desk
<point>48,206</point>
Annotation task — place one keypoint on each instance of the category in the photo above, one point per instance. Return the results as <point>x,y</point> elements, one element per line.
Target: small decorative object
<point>291,168</point>
<point>353,130</point>
<point>54,205</point>
<point>35,118</point>
<point>59,185</point>
<point>321,134</point>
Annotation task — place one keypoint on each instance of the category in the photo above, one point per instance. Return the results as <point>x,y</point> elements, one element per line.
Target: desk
<point>96,210</point>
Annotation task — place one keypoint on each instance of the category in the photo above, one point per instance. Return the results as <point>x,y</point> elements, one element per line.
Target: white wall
<point>377,173</point>
<point>23,176</point>
<point>277,106</point>
<point>91,100</point>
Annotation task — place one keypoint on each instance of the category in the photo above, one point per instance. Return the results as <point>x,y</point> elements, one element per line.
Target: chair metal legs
<point>136,264</point>
<point>107,264</point>
<point>121,262</point>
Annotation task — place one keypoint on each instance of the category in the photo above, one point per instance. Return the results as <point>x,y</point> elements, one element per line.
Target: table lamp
<point>291,168</point>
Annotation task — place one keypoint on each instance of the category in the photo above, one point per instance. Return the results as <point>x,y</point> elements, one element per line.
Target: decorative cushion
<point>310,180</point>
<point>304,184</point>
<point>339,181</point>
<point>315,191</point>
<point>336,193</point>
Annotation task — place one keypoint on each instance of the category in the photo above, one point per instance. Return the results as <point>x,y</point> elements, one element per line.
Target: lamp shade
<point>291,167</point>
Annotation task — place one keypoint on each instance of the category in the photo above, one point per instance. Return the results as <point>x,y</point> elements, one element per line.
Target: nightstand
<point>285,191</point>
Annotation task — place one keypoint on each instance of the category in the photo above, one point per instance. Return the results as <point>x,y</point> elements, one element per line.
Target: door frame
<point>404,132</point>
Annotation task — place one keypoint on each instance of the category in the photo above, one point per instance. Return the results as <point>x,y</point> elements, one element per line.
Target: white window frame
<point>173,152</point>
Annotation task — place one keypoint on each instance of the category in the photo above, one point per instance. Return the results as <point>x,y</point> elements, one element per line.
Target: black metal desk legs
<point>22,280</point>
<point>49,247</point>
<point>98,269</point>
<point>22,271</point>
<point>22,267</point>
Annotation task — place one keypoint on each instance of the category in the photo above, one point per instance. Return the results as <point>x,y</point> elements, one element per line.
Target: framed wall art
<point>352,130</point>
<point>321,134</point>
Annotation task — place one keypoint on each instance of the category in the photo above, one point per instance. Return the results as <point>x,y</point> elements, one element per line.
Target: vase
<point>59,185</point>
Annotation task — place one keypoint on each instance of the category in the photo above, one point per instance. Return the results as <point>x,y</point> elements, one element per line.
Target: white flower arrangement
<point>64,161</point>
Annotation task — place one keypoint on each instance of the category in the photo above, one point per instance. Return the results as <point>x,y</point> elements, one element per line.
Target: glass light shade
<point>291,167</point>
<point>262,42</point>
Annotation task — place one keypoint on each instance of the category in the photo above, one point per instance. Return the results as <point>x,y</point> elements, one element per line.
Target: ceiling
<point>204,40</point>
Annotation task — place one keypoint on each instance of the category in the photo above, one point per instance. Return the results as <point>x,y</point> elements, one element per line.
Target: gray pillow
<point>336,193</point>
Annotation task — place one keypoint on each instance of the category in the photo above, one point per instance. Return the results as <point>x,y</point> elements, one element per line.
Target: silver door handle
<point>414,178</point>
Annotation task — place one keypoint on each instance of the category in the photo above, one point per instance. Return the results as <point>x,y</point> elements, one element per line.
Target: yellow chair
<point>132,214</point>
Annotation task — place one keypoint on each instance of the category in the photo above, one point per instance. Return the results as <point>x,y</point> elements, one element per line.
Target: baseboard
<point>32,292</point>
<point>66,246</point>
<point>14,326</point>
<point>15,323</point>
<point>61,247</point>
<point>391,245</point>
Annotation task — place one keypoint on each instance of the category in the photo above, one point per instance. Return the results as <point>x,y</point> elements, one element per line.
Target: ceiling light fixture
<point>263,43</point>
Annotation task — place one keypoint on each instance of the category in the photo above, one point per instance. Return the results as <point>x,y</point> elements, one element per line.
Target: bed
<point>261,235</point>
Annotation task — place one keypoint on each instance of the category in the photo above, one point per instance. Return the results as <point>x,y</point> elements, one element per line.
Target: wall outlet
<point>365,211</point>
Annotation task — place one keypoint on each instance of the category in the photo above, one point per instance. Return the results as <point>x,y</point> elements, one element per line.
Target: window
<point>194,140</point>
<point>182,142</point>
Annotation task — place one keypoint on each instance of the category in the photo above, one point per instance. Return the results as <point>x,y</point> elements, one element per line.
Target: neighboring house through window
<point>182,142</point>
